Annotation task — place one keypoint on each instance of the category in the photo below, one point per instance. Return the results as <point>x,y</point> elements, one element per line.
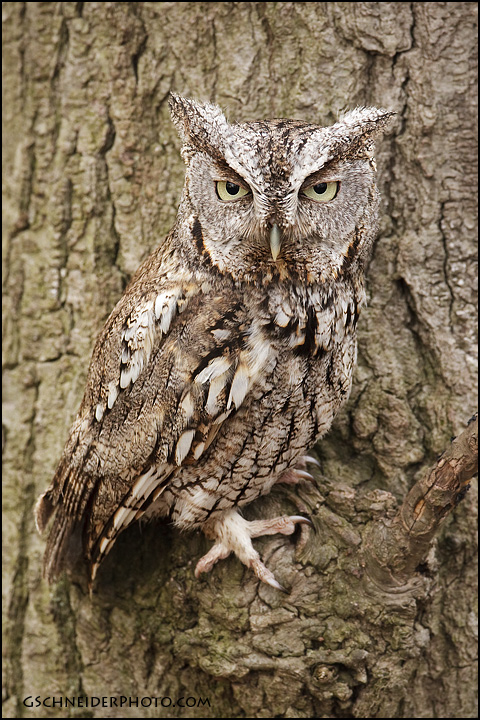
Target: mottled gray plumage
<point>234,344</point>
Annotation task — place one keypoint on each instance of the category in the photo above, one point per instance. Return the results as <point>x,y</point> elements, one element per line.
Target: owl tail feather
<point>64,547</point>
<point>44,510</point>
<point>64,544</point>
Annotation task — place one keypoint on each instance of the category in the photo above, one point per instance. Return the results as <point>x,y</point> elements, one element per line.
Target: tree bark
<point>92,178</point>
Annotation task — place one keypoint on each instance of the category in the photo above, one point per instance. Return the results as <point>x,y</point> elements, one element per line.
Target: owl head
<point>279,198</point>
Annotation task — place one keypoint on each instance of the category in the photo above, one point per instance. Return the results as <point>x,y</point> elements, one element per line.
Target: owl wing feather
<point>166,373</point>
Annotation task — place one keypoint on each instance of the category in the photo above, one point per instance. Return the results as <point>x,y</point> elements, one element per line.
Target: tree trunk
<point>92,178</point>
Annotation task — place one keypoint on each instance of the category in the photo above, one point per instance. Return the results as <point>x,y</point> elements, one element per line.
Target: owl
<point>233,347</point>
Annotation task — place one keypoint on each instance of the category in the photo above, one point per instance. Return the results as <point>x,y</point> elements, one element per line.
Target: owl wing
<point>166,373</point>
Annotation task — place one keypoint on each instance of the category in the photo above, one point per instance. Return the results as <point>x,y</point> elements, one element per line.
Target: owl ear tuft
<point>354,133</point>
<point>365,121</point>
<point>199,125</point>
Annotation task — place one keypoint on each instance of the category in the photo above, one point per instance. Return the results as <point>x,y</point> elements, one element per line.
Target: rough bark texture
<point>92,176</point>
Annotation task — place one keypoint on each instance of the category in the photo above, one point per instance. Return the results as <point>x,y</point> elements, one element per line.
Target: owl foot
<point>233,534</point>
<point>293,476</point>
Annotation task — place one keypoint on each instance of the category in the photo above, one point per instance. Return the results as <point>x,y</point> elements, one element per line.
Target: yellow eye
<point>228,191</point>
<point>322,192</point>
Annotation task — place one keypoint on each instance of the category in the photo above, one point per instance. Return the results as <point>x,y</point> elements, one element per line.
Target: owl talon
<point>266,575</point>
<point>302,519</point>
<point>234,534</point>
<point>285,525</point>
<point>292,477</point>
<point>309,459</point>
<point>304,474</point>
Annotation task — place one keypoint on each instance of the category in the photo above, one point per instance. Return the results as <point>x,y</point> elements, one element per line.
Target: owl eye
<point>322,192</point>
<point>228,191</point>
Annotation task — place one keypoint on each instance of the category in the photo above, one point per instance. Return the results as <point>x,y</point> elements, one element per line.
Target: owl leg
<point>294,475</point>
<point>234,534</point>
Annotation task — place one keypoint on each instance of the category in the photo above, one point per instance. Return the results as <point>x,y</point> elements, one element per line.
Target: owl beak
<point>275,241</point>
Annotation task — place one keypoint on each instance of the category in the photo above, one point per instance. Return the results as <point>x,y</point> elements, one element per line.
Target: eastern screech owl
<point>233,346</point>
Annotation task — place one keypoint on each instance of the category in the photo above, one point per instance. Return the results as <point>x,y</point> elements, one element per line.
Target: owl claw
<point>285,525</point>
<point>266,575</point>
<point>275,584</point>
<point>234,534</point>
<point>292,477</point>
<point>301,519</point>
<point>304,474</point>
